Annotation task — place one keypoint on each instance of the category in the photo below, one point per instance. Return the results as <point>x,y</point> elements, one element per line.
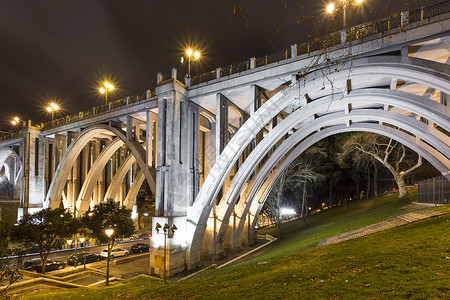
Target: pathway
<point>384,225</point>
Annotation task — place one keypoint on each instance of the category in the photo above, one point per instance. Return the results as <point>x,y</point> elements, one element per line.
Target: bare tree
<point>398,159</point>
<point>294,178</point>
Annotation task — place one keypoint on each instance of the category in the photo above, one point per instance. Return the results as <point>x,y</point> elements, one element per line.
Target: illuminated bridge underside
<point>354,107</point>
<point>211,150</point>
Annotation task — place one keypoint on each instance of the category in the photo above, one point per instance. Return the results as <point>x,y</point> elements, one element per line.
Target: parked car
<point>35,265</point>
<point>115,252</point>
<point>78,258</point>
<point>140,247</point>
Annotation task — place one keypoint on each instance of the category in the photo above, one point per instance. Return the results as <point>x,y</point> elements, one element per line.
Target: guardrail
<point>87,113</point>
<point>10,136</point>
<point>98,110</point>
<point>336,38</point>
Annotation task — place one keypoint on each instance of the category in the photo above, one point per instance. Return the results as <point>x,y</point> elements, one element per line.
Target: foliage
<point>45,230</point>
<point>109,214</point>
<point>9,268</point>
<point>399,160</point>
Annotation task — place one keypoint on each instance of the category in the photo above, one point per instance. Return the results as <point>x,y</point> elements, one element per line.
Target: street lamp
<point>52,108</point>
<point>105,90</point>
<point>191,54</point>
<point>82,239</point>
<point>109,232</point>
<point>168,233</point>
<point>331,7</point>
<point>15,121</point>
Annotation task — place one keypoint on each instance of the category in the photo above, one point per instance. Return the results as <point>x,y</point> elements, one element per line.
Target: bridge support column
<point>175,181</point>
<point>33,177</point>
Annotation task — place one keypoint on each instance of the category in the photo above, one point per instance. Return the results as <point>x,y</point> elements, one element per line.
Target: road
<point>62,255</point>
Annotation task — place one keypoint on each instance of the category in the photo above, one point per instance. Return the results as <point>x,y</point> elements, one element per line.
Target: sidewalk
<point>384,225</point>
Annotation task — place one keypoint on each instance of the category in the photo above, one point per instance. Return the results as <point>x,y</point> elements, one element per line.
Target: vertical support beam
<point>150,138</point>
<point>174,177</point>
<point>33,177</point>
<point>221,123</point>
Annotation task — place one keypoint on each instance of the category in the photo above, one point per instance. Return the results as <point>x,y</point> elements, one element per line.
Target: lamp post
<point>105,90</point>
<point>82,239</point>
<point>331,7</point>
<point>109,232</point>
<point>69,242</point>
<point>168,233</point>
<point>52,108</point>
<point>191,54</point>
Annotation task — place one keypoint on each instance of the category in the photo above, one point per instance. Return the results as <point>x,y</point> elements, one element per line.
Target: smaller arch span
<point>75,148</point>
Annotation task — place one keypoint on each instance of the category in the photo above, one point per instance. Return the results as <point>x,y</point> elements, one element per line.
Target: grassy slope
<point>409,261</point>
<point>9,211</point>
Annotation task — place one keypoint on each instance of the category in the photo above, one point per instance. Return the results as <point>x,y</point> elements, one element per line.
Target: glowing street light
<point>108,87</point>
<point>191,54</point>
<point>109,232</point>
<point>15,121</point>
<point>52,108</point>
<point>331,8</point>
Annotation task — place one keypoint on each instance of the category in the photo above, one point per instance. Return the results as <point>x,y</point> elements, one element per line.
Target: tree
<point>294,178</point>
<point>398,159</point>
<point>46,230</point>
<point>109,214</point>
<point>9,268</point>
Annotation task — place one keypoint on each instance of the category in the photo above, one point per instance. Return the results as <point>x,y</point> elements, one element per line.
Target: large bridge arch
<point>429,73</point>
<point>440,159</point>
<point>62,171</point>
<point>264,190</point>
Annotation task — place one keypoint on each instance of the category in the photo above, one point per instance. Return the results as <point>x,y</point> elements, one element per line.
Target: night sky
<point>62,50</point>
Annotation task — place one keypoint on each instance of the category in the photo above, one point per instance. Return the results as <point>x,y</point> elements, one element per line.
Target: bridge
<point>210,147</point>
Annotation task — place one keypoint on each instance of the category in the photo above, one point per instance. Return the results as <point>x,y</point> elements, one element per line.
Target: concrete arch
<point>90,181</point>
<point>438,159</point>
<point>114,186</point>
<point>5,154</point>
<point>415,103</point>
<point>62,171</point>
<point>433,74</point>
<point>263,192</point>
<point>134,190</point>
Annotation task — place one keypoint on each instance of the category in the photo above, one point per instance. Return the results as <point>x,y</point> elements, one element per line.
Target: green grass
<point>9,211</point>
<point>411,261</point>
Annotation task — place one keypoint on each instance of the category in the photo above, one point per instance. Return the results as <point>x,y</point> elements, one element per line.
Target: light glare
<point>197,55</point>
<point>109,232</point>
<point>330,8</point>
<point>189,52</point>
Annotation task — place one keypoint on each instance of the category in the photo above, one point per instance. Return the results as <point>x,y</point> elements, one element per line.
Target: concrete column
<point>150,138</point>
<point>33,176</point>
<point>174,180</point>
<point>221,123</point>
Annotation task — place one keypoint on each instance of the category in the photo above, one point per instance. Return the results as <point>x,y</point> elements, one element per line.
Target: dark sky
<point>61,50</point>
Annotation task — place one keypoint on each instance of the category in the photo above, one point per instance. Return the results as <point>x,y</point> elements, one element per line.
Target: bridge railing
<point>355,33</point>
<point>97,110</point>
<point>9,136</point>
